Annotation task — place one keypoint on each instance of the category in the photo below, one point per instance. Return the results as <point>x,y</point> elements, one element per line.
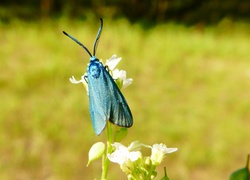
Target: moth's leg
<point>86,78</point>
<point>110,72</point>
<point>107,68</point>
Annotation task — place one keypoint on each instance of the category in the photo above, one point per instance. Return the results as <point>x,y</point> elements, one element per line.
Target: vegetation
<point>147,11</point>
<point>191,91</point>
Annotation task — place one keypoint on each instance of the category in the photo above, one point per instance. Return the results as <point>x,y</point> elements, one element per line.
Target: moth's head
<point>93,58</point>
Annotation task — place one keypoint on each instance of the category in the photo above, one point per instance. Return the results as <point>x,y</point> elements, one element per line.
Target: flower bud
<point>96,151</point>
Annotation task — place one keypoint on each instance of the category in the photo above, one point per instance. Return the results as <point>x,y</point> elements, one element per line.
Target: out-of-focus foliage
<point>187,11</point>
<point>190,90</point>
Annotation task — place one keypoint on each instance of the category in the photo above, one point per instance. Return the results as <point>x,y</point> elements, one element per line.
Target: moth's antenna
<point>74,39</point>
<point>98,37</point>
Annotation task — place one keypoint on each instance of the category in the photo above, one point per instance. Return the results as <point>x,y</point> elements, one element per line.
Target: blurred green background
<point>190,62</point>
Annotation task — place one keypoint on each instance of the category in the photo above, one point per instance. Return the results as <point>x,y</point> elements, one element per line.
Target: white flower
<point>123,154</point>
<point>133,164</point>
<point>159,151</point>
<point>118,75</point>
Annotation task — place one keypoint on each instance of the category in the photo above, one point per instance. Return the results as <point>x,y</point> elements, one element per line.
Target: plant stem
<point>105,160</point>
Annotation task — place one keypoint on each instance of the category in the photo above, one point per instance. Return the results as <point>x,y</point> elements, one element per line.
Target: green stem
<point>105,160</point>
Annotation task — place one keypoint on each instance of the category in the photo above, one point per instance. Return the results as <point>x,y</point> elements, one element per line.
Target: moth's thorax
<point>94,68</point>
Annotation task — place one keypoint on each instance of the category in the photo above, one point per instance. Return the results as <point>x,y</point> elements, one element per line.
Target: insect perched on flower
<point>106,101</point>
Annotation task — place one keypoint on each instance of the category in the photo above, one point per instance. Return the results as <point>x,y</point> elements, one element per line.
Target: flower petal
<point>133,156</point>
<point>116,74</point>
<point>135,146</point>
<point>112,62</point>
<point>164,148</point>
<point>74,81</point>
<point>127,82</point>
<point>119,155</point>
<point>123,154</point>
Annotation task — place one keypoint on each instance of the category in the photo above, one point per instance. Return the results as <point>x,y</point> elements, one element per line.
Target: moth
<point>106,102</point>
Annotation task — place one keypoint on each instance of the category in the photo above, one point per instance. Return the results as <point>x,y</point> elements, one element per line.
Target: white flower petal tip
<point>74,81</point>
<point>135,146</point>
<point>112,62</point>
<point>171,150</point>
<point>127,82</point>
<point>164,148</point>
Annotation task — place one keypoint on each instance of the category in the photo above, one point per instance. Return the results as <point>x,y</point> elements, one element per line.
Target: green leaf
<point>120,134</point>
<point>243,173</point>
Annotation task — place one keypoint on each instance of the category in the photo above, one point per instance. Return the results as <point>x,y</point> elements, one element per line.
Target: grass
<point>191,91</point>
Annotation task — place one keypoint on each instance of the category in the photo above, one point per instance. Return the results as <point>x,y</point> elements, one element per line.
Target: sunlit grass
<point>191,91</point>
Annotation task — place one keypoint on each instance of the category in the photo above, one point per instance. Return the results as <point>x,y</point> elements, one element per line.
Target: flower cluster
<point>118,75</point>
<point>134,164</point>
